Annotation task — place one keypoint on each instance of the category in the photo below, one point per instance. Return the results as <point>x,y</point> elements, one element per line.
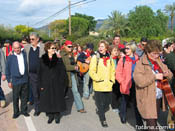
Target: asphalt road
<point>71,120</point>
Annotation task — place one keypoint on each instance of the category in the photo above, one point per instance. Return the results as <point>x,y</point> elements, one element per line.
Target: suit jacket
<point>12,70</point>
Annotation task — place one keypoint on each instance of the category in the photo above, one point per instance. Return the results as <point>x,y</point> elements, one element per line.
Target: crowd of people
<point>118,74</point>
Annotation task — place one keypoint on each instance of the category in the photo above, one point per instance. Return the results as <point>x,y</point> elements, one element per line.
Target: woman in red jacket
<point>124,75</point>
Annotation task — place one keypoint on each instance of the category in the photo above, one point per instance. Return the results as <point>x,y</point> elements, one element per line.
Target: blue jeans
<point>2,96</point>
<point>76,94</point>
<point>86,90</point>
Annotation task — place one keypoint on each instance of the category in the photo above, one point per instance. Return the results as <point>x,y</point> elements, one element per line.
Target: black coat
<point>52,77</point>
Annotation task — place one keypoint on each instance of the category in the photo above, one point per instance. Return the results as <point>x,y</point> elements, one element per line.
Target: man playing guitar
<point>83,61</point>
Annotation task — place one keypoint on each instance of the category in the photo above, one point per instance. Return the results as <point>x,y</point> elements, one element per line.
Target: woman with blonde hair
<point>102,72</point>
<point>124,75</point>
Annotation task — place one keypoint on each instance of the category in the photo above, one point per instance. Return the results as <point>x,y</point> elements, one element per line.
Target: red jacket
<point>123,74</point>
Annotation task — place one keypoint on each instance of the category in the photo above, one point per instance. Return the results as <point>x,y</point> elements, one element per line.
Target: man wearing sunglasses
<point>141,46</point>
<point>34,51</point>
<point>71,69</point>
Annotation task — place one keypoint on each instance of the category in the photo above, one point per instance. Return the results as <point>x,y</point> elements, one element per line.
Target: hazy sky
<point>15,12</point>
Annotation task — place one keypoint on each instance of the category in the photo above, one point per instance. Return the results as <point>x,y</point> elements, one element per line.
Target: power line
<point>62,10</point>
<point>57,13</point>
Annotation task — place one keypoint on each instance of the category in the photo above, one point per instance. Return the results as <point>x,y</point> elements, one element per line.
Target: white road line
<point>29,124</point>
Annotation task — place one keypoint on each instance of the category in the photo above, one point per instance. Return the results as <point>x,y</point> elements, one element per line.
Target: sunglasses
<point>69,46</point>
<point>127,48</point>
<point>32,39</point>
<point>53,48</point>
<point>143,44</point>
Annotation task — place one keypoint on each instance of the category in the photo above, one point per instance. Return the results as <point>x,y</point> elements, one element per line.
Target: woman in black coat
<point>52,83</point>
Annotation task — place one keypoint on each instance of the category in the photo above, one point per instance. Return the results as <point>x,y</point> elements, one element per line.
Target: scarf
<point>88,53</point>
<point>156,69</point>
<point>105,58</point>
<point>75,53</point>
<point>129,59</point>
<point>8,51</point>
<point>115,57</point>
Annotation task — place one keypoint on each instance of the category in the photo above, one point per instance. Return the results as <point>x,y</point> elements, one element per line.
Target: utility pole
<point>27,30</point>
<point>69,17</point>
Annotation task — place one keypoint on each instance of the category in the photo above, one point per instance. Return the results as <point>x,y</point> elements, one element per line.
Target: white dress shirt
<point>21,66</point>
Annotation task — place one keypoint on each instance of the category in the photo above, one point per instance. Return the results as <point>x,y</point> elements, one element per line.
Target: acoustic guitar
<point>83,67</point>
<point>165,86</point>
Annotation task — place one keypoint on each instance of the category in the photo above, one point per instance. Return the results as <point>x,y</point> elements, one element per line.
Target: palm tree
<point>171,10</point>
<point>115,24</point>
<point>118,22</point>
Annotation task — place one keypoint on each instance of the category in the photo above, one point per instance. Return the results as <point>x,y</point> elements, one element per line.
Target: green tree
<point>79,26</point>
<point>161,23</point>
<point>58,28</point>
<point>91,19</point>
<point>23,29</point>
<point>171,10</point>
<point>8,33</point>
<point>142,22</point>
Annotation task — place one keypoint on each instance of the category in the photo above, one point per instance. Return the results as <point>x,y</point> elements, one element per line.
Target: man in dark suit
<point>34,51</point>
<point>17,77</point>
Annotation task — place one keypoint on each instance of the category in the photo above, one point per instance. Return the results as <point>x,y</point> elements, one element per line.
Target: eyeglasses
<point>143,44</point>
<point>32,39</point>
<point>69,46</point>
<point>53,48</point>
<point>127,48</point>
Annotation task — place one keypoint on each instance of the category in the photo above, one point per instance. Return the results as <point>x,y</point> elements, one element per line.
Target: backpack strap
<point>98,57</point>
<point>124,59</point>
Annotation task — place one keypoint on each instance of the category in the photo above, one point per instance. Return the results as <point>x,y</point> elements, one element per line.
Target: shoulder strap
<point>124,59</point>
<point>98,57</point>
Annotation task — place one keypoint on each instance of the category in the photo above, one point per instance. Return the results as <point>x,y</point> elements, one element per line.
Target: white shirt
<point>21,66</point>
<point>34,48</point>
<point>159,93</point>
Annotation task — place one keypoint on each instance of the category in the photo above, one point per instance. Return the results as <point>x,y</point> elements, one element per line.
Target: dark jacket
<point>70,67</point>
<point>52,78</point>
<point>170,61</point>
<point>82,57</point>
<point>12,70</point>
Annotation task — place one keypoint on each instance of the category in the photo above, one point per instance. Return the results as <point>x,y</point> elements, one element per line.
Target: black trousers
<point>20,91</point>
<point>115,95</point>
<point>130,98</point>
<point>35,90</point>
<point>52,115</point>
<point>102,101</point>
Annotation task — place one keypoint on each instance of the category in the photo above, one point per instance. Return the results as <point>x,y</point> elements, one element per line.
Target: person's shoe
<point>16,115</point>
<point>36,113</point>
<point>2,103</point>
<point>86,98</point>
<point>116,110</point>
<point>82,111</point>
<point>57,120</point>
<point>25,114</point>
<point>104,124</point>
<point>50,120</point>
<point>122,119</point>
<point>66,97</point>
<point>31,103</point>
